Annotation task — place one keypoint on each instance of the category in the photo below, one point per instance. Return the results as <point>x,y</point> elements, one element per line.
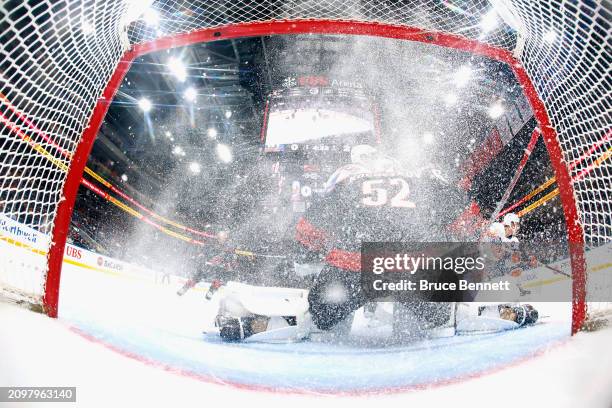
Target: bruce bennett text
<point>424,285</point>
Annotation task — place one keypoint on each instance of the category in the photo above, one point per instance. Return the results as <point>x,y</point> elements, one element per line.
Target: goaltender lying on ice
<point>274,314</point>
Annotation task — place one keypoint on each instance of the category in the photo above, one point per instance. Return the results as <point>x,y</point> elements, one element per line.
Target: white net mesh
<point>184,16</point>
<point>57,56</point>
<point>567,55</point>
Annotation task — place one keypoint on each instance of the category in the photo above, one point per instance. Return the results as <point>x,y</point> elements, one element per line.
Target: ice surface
<point>131,341</point>
<point>41,351</point>
<point>151,321</point>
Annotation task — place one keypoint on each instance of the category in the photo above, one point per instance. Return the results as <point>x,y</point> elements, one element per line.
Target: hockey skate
<point>183,289</point>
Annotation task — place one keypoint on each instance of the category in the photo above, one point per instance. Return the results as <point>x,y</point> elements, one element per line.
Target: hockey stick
<point>255,255</point>
<point>560,272</point>
<point>517,175</point>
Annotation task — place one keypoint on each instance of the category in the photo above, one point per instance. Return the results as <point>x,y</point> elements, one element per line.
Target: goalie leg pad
<point>244,300</point>
<point>335,295</point>
<point>266,314</point>
<point>424,319</point>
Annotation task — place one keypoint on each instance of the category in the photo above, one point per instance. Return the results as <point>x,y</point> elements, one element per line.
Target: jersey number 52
<point>376,193</point>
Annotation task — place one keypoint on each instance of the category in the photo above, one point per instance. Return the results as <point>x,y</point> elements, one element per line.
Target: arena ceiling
<point>212,93</point>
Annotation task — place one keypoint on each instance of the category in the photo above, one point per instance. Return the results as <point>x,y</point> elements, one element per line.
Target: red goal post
<point>557,52</point>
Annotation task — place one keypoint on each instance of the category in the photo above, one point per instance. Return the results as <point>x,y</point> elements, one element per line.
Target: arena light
<point>496,110</point>
<point>195,167</point>
<point>228,114</point>
<point>224,153</point>
<point>86,27</point>
<point>135,10</point>
<point>489,21</point>
<point>145,105</point>
<point>212,133</point>
<point>428,138</point>
<point>168,134</point>
<point>451,99</point>
<point>124,177</point>
<point>151,17</point>
<point>190,94</point>
<point>178,151</point>
<point>550,37</point>
<point>177,68</point>
<point>507,13</point>
<point>463,76</point>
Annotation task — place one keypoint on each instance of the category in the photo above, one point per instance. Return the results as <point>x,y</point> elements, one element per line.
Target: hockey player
<point>506,230</point>
<point>511,226</point>
<point>213,261</point>
<point>511,260</point>
<point>371,199</point>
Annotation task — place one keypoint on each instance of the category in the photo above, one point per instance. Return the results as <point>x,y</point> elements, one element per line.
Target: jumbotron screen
<point>320,114</point>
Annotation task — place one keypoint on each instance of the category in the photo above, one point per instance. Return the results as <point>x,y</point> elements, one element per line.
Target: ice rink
<point>281,147</point>
<point>149,337</point>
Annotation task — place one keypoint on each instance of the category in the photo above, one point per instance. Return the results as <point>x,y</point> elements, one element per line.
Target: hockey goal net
<point>62,61</point>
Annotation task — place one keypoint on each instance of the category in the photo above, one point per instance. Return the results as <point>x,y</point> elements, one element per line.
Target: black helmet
<point>526,314</point>
<point>233,329</point>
